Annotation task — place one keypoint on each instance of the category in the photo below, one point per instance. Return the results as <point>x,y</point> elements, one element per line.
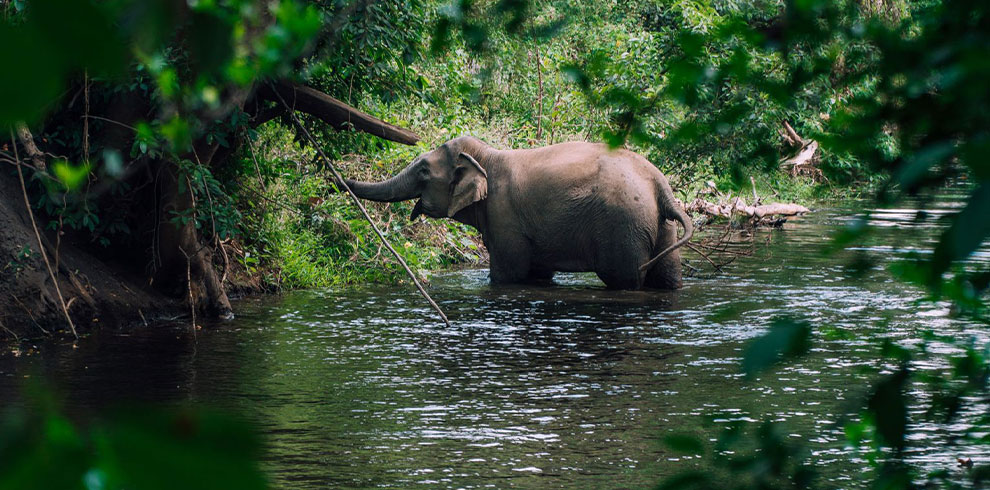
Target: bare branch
<point>340,183</point>
<point>27,141</point>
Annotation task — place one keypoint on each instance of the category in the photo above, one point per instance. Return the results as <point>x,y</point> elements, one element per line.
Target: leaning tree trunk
<point>184,262</point>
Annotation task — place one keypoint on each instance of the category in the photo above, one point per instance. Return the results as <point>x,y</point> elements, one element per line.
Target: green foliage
<point>70,176</point>
<point>786,339</point>
<point>745,455</point>
<point>137,449</point>
<point>215,212</point>
<point>895,107</point>
<point>298,232</point>
<point>19,261</point>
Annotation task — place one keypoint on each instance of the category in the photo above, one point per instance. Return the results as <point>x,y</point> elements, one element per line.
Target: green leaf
<point>684,443</point>
<point>786,339</point>
<point>71,176</point>
<point>178,133</point>
<point>210,42</point>
<point>83,33</point>
<point>968,230</point>
<point>686,479</point>
<point>888,408</point>
<point>37,82</point>
<point>193,449</point>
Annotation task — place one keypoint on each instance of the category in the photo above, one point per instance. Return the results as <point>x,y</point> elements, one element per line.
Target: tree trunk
<point>184,265</point>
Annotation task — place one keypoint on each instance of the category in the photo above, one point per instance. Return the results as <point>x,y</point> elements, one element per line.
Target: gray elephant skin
<point>569,207</point>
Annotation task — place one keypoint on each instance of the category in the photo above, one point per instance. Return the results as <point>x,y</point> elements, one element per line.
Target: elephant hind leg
<point>666,273</point>
<point>620,270</point>
<point>620,281</point>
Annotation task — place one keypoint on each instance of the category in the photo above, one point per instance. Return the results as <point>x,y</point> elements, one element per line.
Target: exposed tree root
<point>179,247</point>
<point>41,245</point>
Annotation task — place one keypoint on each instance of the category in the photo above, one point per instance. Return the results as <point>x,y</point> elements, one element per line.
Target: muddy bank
<point>91,292</point>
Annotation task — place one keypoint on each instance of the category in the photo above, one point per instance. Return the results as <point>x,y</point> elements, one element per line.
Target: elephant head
<point>446,180</point>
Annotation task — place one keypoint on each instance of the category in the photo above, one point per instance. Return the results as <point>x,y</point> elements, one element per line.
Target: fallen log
<point>739,207</point>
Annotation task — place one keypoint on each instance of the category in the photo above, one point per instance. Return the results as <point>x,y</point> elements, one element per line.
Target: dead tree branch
<point>27,141</point>
<point>333,112</point>
<point>805,156</point>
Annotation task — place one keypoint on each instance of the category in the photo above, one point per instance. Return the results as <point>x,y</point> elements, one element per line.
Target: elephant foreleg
<point>540,275</point>
<point>509,261</point>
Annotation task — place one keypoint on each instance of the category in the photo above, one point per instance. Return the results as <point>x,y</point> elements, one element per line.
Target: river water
<point>570,386</point>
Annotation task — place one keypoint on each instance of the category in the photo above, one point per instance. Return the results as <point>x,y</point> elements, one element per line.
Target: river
<point>570,386</point>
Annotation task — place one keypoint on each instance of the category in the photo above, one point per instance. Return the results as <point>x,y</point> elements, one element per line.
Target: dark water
<point>534,387</point>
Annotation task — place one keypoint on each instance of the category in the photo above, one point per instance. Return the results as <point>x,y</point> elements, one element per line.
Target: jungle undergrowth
<point>298,233</point>
<point>511,95</point>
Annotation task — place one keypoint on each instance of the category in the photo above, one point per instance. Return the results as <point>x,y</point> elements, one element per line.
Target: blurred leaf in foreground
<point>786,339</point>
<point>181,447</point>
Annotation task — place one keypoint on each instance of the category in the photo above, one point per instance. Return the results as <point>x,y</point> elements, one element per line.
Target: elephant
<point>568,207</point>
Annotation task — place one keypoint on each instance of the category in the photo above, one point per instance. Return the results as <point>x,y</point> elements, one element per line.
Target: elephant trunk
<point>403,186</point>
<point>685,220</point>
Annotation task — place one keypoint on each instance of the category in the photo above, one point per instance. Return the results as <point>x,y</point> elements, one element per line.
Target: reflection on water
<point>534,387</point>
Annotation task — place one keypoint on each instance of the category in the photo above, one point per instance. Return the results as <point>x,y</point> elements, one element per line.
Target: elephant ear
<point>470,184</point>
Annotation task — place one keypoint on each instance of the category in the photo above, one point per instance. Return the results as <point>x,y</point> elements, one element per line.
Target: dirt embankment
<point>88,290</point>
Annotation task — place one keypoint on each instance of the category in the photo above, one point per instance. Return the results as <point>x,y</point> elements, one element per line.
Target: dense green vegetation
<point>895,93</point>
<point>678,81</point>
<point>574,71</point>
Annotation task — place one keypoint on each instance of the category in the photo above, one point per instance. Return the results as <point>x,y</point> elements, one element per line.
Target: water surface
<point>570,386</point>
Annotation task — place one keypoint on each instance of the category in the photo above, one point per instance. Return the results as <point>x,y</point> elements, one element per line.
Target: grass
<point>299,233</point>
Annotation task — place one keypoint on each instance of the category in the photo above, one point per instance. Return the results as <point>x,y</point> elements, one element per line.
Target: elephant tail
<point>686,222</point>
